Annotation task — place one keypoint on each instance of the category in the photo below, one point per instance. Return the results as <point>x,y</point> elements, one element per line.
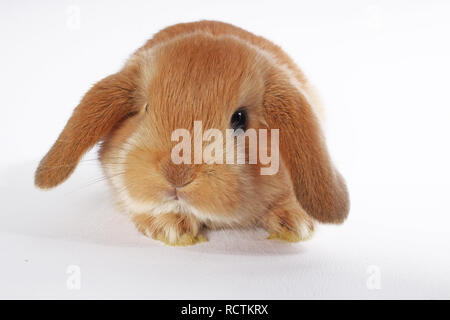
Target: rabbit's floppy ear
<point>103,106</point>
<point>319,187</point>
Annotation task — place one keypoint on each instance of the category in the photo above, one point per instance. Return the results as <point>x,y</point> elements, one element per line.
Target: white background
<point>382,68</point>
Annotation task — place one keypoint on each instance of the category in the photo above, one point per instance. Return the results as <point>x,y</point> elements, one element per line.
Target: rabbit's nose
<point>178,175</point>
<point>176,192</point>
<point>179,178</point>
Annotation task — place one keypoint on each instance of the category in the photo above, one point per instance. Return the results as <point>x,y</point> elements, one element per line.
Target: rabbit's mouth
<point>175,194</point>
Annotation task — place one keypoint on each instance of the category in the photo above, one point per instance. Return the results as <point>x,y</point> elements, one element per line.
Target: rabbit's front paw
<point>289,225</point>
<point>171,228</point>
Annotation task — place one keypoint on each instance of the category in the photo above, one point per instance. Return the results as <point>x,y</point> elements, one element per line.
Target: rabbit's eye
<point>146,107</point>
<point>239,120</point>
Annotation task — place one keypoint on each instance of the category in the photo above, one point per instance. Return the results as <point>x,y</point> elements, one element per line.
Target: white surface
<point>382,70</point>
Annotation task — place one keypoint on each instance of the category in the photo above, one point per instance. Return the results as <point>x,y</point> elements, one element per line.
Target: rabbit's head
<point>181,112</point>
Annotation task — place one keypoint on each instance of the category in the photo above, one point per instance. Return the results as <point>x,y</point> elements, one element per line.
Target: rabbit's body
<point>208,72</point>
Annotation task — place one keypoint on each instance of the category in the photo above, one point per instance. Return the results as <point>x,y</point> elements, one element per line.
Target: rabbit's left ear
<point>103,106</point>
<point>319,187</point>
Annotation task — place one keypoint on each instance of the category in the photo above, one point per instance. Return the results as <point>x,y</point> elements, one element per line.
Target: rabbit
<point>227,78</point>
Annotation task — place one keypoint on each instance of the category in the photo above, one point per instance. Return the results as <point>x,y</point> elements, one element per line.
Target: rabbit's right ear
<point>102,107</point>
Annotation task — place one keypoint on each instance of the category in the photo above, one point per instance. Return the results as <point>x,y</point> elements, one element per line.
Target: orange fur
<point>204,71</point>
<point>108,102</point>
